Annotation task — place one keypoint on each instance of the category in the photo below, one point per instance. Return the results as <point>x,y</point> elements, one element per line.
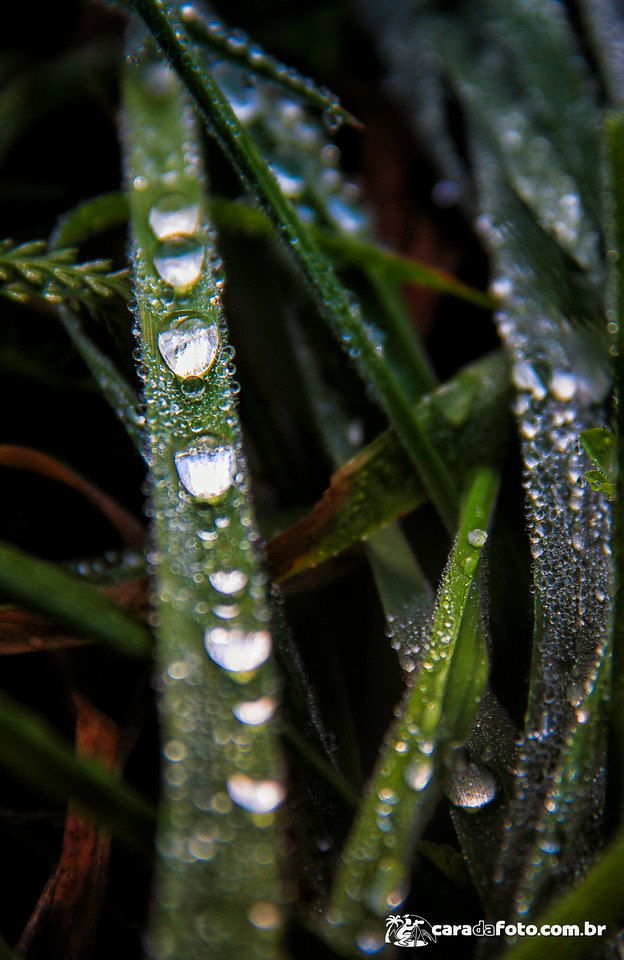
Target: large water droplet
<point>179,261</point>
<point>206,468</point>
<point>173,217</point>
<point>258,796</point>
<point>419,773</point>
<point>264,915</point>
<point>190,347</point>
<point>471,787</point>
<point>477,537</point>
<point>228,581</point>
<point>255,712</point>
<point>236,650</point>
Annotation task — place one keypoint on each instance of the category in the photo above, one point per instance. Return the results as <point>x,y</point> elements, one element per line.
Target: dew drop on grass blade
<point>217,888</point>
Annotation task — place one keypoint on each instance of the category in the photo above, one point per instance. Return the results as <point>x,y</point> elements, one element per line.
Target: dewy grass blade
<point>235,46</point>
<point>418,753</point>
<point>615,140</point>
<point>41,586</point>
<point>218,884</point>
<point>467,420</point>
<point>36,755</point>
<point>333,302</point>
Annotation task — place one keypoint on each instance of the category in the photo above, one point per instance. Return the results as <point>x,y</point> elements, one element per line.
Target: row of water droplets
<point>560,391</point>
<point>376,874</point>
<point>218,733</point>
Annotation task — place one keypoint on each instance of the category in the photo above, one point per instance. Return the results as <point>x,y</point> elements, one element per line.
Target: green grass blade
<point>218,876</point>
<point>333,302</point>
<point>35,754</point>
<point>348,251</point>
<point>41,586</point>
<point>615,140</point>
<point>466,419</point>
<point>439,708</point>
<point>406,597</point>
<point>234,46</point>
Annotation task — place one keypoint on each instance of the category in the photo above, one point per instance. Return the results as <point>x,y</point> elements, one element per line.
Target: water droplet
<point>471,787</point>
<point>190,347</point>
<point>236,650</point>
<point>179,261</point>
<point>173,217</point>
<point>206,468</point>
<point>226,611</point>
<point>369,942</point>
<point>244,97</point>
<point>264,915</point>
<point>257,796</point>
<point>477,537</point>
<point>563,385</point>
<point>255,712</point>
<point>419,773</point>
<point>228,581</point>
<point>140,183</point>
<point>193,387</point>
<point>525,378</point>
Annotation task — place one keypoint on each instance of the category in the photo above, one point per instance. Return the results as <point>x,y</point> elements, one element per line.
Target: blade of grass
<point>36,755</point>
<point>333,302</point>
<point>348,251</point>
<point>437,714</point>
<point>234,46</point>
<point>615,139</point>
<point>466,419</point>
<point>41,586</point>
<point>218,875</point>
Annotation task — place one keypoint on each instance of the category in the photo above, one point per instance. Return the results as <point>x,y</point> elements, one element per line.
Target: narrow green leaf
<point>419,749</point>
<point>218,876</point>
<point>235,47</point>
<point>34,753</point>
<point>406,597</point>
<point>41,586</point>
<point>615,140</point>
<point>466,419</point>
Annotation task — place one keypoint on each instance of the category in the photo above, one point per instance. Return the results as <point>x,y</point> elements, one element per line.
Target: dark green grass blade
<point>41,586</point>
<point>466,419</point>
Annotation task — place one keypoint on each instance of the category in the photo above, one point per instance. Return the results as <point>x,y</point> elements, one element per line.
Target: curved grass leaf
<point>333,302</point>
<point>418,752</point>
<point>24,458</point>
<point>34,753</point>
<point>218,877</point>
<point>45,588</point>
<point>466,420</point>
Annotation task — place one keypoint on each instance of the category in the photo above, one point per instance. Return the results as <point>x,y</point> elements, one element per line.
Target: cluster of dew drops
<point>207,468</point>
